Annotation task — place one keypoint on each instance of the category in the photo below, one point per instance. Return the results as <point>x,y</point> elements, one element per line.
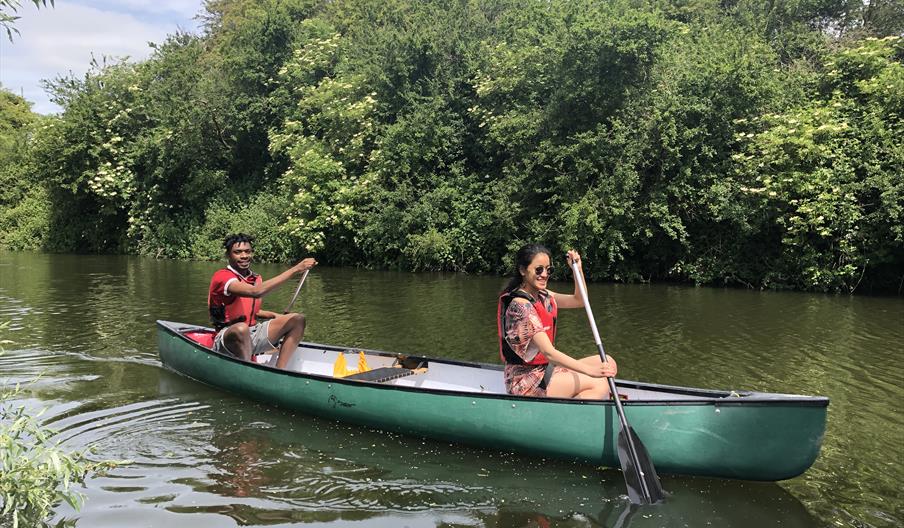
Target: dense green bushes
<point>710,142</point>
<point>824,177</point>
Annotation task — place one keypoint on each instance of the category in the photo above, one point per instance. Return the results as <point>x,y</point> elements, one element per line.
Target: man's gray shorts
<point>260,342</point>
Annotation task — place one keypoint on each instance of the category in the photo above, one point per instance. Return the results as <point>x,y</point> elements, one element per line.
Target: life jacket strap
<point>547,375</point>
<point>227,324</point>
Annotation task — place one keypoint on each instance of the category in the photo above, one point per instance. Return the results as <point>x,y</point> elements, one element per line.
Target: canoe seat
<point>384,374</point>
<point>202,337</point>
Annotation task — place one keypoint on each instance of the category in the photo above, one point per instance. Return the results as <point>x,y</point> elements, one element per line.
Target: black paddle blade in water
<point>643,485</point>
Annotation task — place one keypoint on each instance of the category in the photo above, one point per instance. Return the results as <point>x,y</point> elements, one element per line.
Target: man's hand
<point>304,265</point>
<point>265,314</point>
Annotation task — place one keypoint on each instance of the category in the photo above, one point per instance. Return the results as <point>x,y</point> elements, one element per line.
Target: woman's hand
<point>574,257</point>
<point>574,300</point>
<point>600,369</point>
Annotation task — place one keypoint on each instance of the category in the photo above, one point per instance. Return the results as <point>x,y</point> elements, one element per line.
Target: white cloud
<point>183,8</point>
<point>58,40</point>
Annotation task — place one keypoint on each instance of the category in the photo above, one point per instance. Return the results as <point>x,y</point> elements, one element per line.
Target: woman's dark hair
<point>236,238</point>
<point>523,258</point>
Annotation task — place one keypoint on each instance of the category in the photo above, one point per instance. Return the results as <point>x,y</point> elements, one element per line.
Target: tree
<point>826,177</point>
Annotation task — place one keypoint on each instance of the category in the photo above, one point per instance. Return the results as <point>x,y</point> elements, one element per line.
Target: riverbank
<point>709,144</point>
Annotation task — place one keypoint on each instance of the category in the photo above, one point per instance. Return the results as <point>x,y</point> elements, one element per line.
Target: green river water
<point>205,458</point>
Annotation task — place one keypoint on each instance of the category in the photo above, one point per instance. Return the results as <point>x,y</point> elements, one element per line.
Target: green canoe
<point>732,434</point>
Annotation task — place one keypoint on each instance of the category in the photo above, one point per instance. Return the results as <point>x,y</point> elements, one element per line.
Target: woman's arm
<point>574,300</point>
<point>592,369</point>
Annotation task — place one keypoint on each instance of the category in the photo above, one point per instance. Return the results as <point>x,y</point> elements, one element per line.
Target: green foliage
<point>36,472</point>
<point>327,138</point>
<point>826,177</point>
<point>25,224</point>
<point>87,159</point>
<point>263,217</point>
<point>559,104</point>
<point>706,141</point>
<point>15,119</point>
<point>24,206</point>
<point>715,79</point>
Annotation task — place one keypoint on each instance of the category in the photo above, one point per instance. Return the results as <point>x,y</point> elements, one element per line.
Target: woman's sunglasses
<point>539,270</point>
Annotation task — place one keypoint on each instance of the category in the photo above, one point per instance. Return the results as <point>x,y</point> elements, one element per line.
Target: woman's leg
<point>576,385</point>
<point>573,384</point>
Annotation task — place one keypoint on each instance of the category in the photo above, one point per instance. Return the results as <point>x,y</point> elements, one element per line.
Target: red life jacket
<point>547,317</point>
<point>230,309</point>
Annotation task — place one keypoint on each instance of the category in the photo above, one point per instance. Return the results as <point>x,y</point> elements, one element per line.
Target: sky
<point>61,39</point>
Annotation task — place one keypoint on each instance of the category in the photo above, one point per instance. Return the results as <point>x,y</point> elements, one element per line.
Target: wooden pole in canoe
<point>637,468</point>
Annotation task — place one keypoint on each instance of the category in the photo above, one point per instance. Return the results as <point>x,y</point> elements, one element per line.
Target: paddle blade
<point>642,481</point>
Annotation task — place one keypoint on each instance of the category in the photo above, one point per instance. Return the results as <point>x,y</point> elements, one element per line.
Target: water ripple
<point>203,457</point>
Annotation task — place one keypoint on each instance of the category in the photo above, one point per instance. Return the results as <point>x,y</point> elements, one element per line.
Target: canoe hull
<point>738,438</point>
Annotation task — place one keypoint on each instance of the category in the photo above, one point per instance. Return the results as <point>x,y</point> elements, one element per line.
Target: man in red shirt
<point>235,307</point>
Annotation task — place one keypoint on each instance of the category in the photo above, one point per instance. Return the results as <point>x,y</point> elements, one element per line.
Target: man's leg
<point>289,328</point>
<point>237,340</point>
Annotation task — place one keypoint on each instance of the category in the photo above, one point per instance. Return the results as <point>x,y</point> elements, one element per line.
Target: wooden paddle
<point>298,289</point>
<point>640,475</point>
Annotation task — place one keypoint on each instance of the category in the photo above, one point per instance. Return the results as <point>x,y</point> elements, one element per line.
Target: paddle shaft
<point>298,289</point>
<point>579,280</point>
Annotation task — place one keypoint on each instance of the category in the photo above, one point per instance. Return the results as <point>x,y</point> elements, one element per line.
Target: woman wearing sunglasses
<point>526,322</point>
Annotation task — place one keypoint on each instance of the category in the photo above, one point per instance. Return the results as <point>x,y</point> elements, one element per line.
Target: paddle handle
<point>582,287</point>
<point>579,280</point>
<point>298,289</point>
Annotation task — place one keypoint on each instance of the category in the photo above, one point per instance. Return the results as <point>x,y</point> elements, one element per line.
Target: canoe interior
<point>732,434</point>
<point>318,360</point>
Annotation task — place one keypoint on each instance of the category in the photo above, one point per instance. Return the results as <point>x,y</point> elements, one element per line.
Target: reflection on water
<point>206,458</point>
<point>201,456</point>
